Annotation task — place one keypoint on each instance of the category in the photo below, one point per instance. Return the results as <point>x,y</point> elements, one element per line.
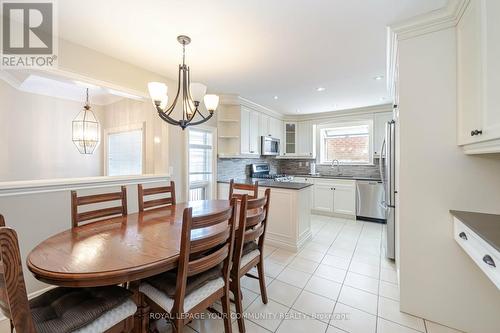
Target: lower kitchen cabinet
<point>335,197</point>
<point>344,199</point>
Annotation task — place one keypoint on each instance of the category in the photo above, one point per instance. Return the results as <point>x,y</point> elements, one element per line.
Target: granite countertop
<point>486,226</point>
<point>377,179</point>
<point>269,183</point>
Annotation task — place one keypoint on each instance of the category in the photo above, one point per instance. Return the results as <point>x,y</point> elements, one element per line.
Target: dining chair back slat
<point>252,189</point>
<point>252,226</point>
<point>142,193</point>
<point>76,201</point>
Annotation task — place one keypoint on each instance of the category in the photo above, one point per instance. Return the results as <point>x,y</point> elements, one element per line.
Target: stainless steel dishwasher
<point>369,198</point>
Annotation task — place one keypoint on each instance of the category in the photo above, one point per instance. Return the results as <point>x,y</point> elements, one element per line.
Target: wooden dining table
<point>119,250</point>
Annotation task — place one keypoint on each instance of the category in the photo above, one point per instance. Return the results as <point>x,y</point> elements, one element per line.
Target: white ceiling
<point>254,48</point>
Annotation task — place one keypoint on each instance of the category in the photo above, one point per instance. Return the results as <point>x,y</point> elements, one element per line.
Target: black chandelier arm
<point>200,121</point>
<point>167,118</point>
<point>171,108</point>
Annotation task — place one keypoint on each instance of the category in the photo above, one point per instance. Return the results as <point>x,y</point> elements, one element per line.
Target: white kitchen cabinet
<point>249,137</point>
<point>299,139</point>
<point>379,122</point>
<point>290,139</point>
<point>275,127</point>
<point>265,125</point>
<point>323,197</point>
<point>306,139</point>
<point>478,76</point>
<point>254,133</point>
<point>334,196</point>
<point>344,199</point>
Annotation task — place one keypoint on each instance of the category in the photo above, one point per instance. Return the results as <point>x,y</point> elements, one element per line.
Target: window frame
<point>346,123</point>
<point>210,186</point>
<point>122,129</point>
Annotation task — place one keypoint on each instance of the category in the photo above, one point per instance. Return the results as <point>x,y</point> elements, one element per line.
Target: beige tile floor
<point>339,282</point>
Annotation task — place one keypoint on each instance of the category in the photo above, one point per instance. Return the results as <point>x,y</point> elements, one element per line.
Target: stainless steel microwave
<point>270,146</point>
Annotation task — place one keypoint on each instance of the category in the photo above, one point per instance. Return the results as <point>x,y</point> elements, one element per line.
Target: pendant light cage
<point>86,134</point>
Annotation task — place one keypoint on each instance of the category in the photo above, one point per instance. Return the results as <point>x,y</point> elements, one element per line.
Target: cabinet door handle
<point>489,260</point>
<point>476,132</point>
<point>462,235</point>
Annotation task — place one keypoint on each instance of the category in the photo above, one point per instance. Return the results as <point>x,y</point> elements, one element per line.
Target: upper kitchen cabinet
<point>240,127</point>
<point>306,139</point>
<point>290,139</point>
<point>250,138</point>
<point>299,139</point>
<point>478,63</point>
<point>270,126</point>
<point>379,122</point>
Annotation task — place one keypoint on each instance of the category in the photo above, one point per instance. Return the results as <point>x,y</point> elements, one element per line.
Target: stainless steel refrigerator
<point>387,172</point>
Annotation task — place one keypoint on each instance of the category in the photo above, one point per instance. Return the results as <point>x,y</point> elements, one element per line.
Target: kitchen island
<point>289,213</point>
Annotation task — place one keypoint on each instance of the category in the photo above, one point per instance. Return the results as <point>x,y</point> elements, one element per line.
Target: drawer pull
<point>462,235</point>
<point>489,260</point>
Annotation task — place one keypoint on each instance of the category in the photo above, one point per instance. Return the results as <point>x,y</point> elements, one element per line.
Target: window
<point>349,143</point>
<point>124,153</point>
<point>200,164</point>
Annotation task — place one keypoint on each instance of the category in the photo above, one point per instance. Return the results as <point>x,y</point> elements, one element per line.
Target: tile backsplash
<point>240,168</point>
<point>302,167</point>
<point>228,168</point>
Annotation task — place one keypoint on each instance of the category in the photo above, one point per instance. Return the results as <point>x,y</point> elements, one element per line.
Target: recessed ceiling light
<point>382,98</point>
<point>378,77</point>
<point>320,89</point>
<point>275,97</point>
<point>298,110</point>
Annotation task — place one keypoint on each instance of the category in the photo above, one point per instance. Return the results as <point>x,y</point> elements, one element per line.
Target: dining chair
<point>153,203</point>
<point>249,249</point>
<point>76,201</point>
<point>202,273</point>
<point>252,188</point>
<point>59,310</point>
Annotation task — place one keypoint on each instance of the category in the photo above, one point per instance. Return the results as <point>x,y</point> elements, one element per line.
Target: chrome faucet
<point>338,165</point>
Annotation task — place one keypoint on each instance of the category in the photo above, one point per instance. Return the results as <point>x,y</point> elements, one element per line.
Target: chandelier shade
<point>85,130</point>
<point>190,95</point>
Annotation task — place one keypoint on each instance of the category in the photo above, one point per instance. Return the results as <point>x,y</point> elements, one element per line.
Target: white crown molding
<point>443,18</point>
<point>436,20</point>
<point>230,99</point>
<point>343,113</point>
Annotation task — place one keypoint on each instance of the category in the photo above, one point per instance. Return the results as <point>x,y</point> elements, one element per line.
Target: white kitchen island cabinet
<point>289,224</point>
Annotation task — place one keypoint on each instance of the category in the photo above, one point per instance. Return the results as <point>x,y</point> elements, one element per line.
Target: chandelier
<point>192,95</point>
<point>86,130</point>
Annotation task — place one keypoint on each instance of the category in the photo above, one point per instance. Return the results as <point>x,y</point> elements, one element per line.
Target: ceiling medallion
<point>192,95</point>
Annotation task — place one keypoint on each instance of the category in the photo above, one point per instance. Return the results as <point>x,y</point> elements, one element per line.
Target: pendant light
<point>86,130</point>
<point>192,96</point>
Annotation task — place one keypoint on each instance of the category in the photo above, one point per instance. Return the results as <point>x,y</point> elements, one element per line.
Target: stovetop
<point>275,177</point>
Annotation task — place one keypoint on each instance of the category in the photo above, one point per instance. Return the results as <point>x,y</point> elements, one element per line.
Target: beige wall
<point>35,138</point>
<point>438,280</point>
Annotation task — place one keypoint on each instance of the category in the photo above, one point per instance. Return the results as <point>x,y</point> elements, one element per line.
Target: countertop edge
<point>283,185</point>
<point>493,241</point>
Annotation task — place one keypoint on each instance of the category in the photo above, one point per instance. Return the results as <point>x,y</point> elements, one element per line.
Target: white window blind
<point>125,153</point>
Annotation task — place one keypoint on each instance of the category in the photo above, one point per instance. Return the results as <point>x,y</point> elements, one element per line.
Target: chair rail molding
<point>64,184</point>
